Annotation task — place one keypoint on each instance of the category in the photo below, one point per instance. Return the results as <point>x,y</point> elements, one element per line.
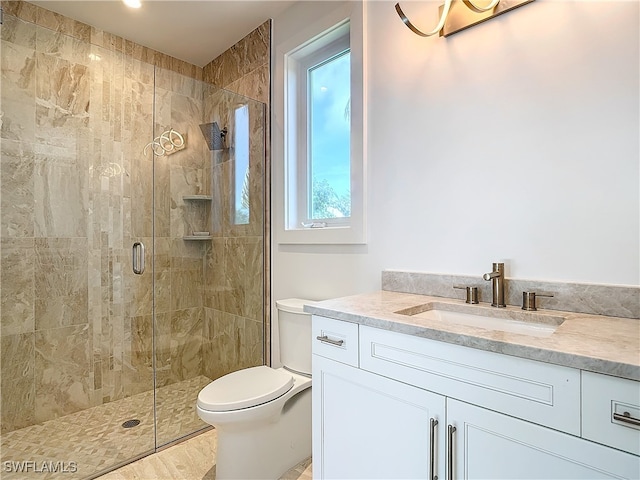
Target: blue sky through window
<point>329,96</point>
<point>241,171</point>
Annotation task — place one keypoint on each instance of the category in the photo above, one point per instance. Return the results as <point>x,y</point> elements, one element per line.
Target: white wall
<point>515,140</point>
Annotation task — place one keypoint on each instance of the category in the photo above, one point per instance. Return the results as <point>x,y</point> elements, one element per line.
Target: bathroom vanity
<point>400,392</point>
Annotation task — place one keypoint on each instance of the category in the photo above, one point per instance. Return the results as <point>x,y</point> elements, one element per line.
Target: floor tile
<point>94,440</point>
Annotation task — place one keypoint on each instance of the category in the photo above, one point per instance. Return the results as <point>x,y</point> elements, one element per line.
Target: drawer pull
<point>626,418</point>
<point>325,339</point>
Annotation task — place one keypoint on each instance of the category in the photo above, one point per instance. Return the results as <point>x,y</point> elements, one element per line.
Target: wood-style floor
<point>193,459</point>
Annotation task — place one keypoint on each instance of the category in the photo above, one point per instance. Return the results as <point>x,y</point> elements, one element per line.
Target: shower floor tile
<point>92,440</point>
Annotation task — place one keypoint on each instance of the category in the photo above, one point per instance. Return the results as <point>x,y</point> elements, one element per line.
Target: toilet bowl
<point>263,415</point>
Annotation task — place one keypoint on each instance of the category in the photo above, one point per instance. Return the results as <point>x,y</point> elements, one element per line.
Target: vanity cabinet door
<point>370,427</point>
<point>487,444</point>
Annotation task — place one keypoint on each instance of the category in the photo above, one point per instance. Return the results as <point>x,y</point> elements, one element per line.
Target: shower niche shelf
<point>197,237</point>
<point>198,200</point>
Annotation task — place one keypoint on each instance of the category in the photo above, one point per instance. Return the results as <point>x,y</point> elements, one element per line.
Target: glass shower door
<point>182,203</point>
<point>209,244</point>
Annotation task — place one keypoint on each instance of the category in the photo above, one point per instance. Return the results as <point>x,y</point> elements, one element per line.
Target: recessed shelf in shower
<point>197,198</point>
<point>197,237</point>
<point>203,198</point>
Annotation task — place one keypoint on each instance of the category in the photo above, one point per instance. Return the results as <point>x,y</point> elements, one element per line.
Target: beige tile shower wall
<point>75,193</point>
<point>238,291</point>
<point>46,162</point>
<point>244,68</point>
<point>58,23</point>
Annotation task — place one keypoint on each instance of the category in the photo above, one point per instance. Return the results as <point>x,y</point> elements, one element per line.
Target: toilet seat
<point>245,388</point>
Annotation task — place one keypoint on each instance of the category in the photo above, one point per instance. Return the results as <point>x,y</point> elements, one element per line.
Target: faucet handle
<point>472,293</point>
<point>529,300</point>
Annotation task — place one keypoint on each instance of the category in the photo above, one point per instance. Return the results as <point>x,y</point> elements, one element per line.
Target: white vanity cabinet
<point>410,407</point>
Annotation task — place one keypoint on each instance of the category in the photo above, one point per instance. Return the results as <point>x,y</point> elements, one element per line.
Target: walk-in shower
<point>100,364</point>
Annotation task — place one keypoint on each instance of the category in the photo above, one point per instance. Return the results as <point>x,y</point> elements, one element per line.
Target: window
<point>323,174</point>
<point>241,166</point>
<point>322,154</point>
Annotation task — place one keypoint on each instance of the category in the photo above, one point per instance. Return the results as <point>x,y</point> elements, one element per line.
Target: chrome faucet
<point>497,284</point>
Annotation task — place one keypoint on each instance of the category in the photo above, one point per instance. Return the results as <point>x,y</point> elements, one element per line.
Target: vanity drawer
<point>539,392</point>
<point>335,339</point>
<point>605,400</point>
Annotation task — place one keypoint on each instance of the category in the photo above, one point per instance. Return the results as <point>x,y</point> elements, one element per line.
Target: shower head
<point>214,136</point>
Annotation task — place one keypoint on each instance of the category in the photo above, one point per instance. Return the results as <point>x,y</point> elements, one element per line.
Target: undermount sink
<point>505,320</point>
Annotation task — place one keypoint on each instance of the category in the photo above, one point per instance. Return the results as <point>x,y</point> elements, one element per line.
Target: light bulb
<point>132,3</point>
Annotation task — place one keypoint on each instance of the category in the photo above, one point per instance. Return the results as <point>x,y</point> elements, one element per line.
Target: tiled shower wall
<point>245,67</point>
<point>76,191</point>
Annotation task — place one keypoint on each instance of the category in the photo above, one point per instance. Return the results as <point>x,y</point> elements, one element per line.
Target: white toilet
<point>263,415</point>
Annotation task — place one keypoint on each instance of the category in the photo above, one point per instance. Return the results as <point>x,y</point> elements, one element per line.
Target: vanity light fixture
<point>457,15</point>
<point>132,3</point>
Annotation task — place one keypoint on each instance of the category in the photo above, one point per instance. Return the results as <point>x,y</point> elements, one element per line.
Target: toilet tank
<point>294,328</point>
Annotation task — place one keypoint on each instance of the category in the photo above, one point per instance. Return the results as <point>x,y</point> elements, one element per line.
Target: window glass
<point>241,166</point>
<point>329,158</point>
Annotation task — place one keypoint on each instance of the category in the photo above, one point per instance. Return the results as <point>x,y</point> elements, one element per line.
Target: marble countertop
<point>609,345</point>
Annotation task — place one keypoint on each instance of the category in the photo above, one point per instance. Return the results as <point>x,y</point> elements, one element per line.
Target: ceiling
<point>193,31</point>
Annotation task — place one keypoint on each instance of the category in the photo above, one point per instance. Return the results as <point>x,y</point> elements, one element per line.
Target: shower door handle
<point>137,258</point>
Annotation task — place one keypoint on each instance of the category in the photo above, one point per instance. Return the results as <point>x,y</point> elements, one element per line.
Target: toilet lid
<point>244,388</point>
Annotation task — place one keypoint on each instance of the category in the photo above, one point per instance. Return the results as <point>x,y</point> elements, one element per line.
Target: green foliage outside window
<point>326,203</point>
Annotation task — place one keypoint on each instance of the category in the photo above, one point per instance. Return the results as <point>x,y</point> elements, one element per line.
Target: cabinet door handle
<point>432,448</point>
<point>137,258</point>
<point>626,418</point>
<point>331,341</point>
<point>450,431</point>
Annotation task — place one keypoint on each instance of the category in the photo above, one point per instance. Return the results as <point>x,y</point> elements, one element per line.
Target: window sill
<point>322,236</point>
